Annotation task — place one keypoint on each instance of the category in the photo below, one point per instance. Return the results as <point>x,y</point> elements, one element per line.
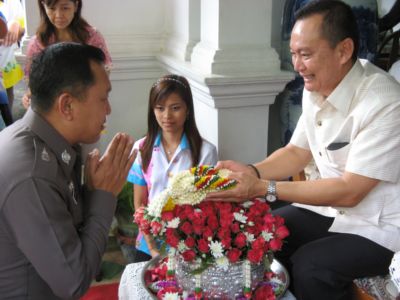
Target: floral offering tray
<point>157,283</point>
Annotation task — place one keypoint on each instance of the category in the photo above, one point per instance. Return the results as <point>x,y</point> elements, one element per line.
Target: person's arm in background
<point>97,39</point>
<point>15,23</point>
<point>34,48</point>
<point>140,198</point>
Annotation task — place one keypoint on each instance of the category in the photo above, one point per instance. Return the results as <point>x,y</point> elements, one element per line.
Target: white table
<point>130,287</point>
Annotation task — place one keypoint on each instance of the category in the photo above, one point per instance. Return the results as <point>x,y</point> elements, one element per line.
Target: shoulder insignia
<point>45,155</point>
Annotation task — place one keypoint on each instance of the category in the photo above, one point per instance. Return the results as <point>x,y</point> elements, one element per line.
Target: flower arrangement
<point>157,280</point>
<point>209,233</point>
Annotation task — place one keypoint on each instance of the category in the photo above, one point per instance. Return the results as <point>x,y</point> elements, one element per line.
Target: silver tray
<point>276,267</point>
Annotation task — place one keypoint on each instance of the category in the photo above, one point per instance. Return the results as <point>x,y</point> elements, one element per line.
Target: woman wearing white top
<point>172,144</point>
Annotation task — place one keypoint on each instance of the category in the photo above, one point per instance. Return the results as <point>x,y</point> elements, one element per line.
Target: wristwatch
<point>270,196</point>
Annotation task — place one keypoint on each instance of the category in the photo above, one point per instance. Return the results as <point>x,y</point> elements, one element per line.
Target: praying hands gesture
<point>110,171</point>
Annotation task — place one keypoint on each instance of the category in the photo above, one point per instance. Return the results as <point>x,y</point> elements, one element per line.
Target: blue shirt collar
<point>184,144</point>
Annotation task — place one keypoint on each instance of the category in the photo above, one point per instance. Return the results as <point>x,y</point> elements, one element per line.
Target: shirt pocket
<point>337,157</point>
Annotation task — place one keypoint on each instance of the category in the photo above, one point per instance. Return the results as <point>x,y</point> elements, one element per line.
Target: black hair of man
<point>339,21</point>
<point>62,68</point>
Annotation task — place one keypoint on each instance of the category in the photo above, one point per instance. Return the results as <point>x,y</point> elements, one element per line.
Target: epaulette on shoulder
<point>46,164</point>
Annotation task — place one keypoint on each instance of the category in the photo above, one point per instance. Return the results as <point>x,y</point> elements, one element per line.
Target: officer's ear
<point>65,105</point>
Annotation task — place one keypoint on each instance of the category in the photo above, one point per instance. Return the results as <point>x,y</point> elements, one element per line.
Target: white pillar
<point>182,28</point>
<point>31,22</point>
<point>235,75</point>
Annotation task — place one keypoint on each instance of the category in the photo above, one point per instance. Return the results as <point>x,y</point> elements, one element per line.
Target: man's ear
<point>65,106</point>
<point>346,49</point>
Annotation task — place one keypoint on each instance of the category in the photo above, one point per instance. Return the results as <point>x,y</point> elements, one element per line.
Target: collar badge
<point>66,157</point>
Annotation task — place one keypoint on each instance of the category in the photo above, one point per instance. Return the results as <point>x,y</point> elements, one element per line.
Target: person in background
<point>61,21</point>
<point>172,144</point>
<point>55,218</point>
<point>345,225</point>
<point>12,72</point>
<point>4,107</point>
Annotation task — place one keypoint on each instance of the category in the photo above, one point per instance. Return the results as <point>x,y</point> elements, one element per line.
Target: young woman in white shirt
<point>172,144</point>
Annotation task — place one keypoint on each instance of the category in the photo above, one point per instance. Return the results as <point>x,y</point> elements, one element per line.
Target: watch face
<point>270,198</point>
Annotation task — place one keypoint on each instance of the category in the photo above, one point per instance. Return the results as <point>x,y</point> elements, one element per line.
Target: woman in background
<point>172,144</point>
<point>61,21</point>
<point>11,70</point>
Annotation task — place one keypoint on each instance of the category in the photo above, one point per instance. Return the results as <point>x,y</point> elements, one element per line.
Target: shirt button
<point>342,212</point>
<point>319,123</point>
<point>320,154</point>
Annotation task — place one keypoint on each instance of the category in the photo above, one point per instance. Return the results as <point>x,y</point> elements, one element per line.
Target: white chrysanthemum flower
<point>174,223</point>
<point>240,217</point>
<point>216,249</point>
<point>222,263</point>
<point>250,237</point>
<point>267,235</point>
<point>247,204</point>
<point>171,296</point>
<point>181,246</point>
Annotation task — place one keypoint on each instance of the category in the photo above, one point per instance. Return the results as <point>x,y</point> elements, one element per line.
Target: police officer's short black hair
<point>339,21</point>
<point>59,68</point>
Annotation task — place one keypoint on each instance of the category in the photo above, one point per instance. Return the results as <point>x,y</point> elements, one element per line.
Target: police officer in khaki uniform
<point>54,223</point>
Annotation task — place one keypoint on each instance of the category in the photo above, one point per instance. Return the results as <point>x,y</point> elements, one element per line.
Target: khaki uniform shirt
<point>357,129</point>
<point>52,233</point>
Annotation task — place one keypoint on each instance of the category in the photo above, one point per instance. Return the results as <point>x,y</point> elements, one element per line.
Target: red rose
<point>144,226</point>
<point>190,242</point>
<point>234,255</point>
<point>139,214</point>
<point>203,246</point>
<point>212,222</point>
<point>207,207</point>
<point>189,255</point>
<point>240,240</point>
<point>186,228</point>
<point>188,210</point>
<point>279,221</point>
<point>258,243</point>
<point>226,219</point>
<point>156,227</point>
<point>167,216</point>
<point>207,232</point>
<point>255,255</point>
<point>226,242</point>
<point>223,233</point>
<point>197,217</point>
<point>264,292</point>
<point>282,232</point>
<point>235,227</point>
<point>198,228</point>
<point>275,244</point>
<point>269,219</point>
<point>172,239</point>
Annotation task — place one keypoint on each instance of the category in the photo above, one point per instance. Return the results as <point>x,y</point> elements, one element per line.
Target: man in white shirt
<point>345,225</point>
